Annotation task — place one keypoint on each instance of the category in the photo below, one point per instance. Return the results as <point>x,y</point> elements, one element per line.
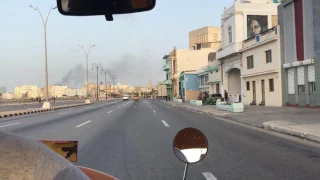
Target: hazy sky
<point>132,46</point>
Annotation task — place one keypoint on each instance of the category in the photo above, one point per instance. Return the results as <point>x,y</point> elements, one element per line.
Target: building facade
<point>167,69</point>
<point>300,53</point>
<point>58,91</point>
<point>189,85</point>
<point>26,91</point>
<point>239,22</point>
<point>261,66</point>
<point>214,74</point>
<point>161,89</point>
<point>8,95</point>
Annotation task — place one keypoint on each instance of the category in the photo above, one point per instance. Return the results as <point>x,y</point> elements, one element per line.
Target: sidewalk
<point>300,122</point>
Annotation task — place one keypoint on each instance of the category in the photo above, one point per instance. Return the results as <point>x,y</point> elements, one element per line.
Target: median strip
<point>37,110</point>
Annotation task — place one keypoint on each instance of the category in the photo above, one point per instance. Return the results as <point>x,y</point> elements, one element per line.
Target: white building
<point>214,74</point>
<point>241,21</point>
<point>261,65</point>
<point>75,92</point>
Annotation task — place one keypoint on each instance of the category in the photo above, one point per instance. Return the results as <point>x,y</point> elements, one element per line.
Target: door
<point>254,91</point>
<point>218,88</point>
<point>263,91</point>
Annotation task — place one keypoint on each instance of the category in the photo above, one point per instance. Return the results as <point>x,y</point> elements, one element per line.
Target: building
<point>3,89</point>
<point>189,85</point>
<point>206,37</point>
<point>186,60</point>
<point>214,74</point>
<point>261,67</point>
<point>81,92</point>
<point>162,89</point>
<point>203,81</point>
<point>241,21</point>
<point>58,91</point>
<point>26,91</point>
<point>167,69</point>
<point>300,53</point>
<point>8,95</point>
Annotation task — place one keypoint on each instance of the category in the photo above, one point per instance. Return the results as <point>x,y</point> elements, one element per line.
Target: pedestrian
<point>226,97</point>
<point>54,99</point>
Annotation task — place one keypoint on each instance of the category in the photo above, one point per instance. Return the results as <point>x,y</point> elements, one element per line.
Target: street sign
<point>67,149</point>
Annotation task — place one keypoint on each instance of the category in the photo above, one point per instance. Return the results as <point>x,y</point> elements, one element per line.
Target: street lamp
<point>97,66</point>
<point>46,104</point>
<point>105,80</point>
<point>87,56</point>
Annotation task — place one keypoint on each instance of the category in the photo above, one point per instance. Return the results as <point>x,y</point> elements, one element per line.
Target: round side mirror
<point>190,145</point>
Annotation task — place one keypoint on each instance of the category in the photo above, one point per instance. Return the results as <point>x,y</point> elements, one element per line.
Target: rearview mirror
<point>103,7</point>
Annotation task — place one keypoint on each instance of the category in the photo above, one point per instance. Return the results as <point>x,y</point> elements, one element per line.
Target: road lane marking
<point>134,107</point>
<point>10,124</point>
<point>109,112</point>
<point>83,124</point>
<point>119,107</point>
<point>165,123</point>
<point>209,176</point>
<point>154,111</point>
<point>64,113</point>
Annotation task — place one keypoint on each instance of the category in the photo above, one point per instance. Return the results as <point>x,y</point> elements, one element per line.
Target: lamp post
<point>105,71</point>
<point>87,61</point>
<point>46,104</point>
<point>97,66</point>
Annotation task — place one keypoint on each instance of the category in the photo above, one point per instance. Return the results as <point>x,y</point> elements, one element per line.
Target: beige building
<point>58,91</point>
<point>25,91</point>
<point>206,37</point>
<point>214,73</point>
<point>261,66</point>
<point>8,95</point>
<point>162,89</point>
<point>186,60</point>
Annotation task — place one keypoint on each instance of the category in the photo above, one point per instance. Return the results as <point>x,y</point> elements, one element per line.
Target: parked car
<point>213,99</point>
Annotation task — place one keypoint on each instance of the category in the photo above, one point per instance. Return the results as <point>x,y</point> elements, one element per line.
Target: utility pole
<point>97,66</point>
<point>46,104</point>
<point>105,80</point>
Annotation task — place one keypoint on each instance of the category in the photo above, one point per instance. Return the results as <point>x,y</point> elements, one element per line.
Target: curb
<point>282,130</point>
<point>289,131</point>
<point>37,110</point>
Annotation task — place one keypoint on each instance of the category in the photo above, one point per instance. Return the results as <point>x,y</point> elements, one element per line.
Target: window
<point>301,89</point>
<point>206,79</point>
<point>291,84</point>
<point>250,62</point>
<point>268,56</point>
<point>248,86</point>
<point>230,34</point>
<point>312,87</point>
<point>271,85</point>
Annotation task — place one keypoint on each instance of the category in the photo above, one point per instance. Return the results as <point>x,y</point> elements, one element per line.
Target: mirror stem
<point>185,172</point>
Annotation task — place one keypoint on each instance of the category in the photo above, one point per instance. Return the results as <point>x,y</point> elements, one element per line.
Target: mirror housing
<point>103,7</point>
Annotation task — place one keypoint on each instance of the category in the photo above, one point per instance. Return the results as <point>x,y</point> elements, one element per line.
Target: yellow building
<point>58,91</point>
<point>25,91</point>
<point>206,37</point>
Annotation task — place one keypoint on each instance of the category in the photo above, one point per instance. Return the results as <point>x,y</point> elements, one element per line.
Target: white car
<point>125,97</point>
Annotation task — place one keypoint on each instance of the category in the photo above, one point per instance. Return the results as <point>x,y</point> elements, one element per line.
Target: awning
<point>213,82</point>
<point>213,68</point>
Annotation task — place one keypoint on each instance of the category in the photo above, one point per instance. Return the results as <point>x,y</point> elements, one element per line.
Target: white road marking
<point>165,123</point>
<point>134,107</point>
<point>83,124</point>
<point>10,124</point>
<point>154,111</point>
<point>119,107</point>
<point>209,176</point>
<point>64,113</point>
<point>109,112</point>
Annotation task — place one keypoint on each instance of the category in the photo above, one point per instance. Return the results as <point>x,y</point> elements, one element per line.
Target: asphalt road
<point>133,140</point>
<point>14,107</point>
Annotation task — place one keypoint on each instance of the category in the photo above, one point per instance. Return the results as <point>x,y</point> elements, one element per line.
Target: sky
<point>131,46</point>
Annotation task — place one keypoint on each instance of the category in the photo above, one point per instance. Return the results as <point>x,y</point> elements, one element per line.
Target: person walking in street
<point>226,97</point>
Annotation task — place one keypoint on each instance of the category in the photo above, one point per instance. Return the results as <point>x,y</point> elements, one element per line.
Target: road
<point>133,140</point>
<point>14,107</point>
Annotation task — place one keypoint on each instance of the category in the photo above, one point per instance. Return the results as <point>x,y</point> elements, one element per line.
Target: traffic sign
<point>67,149</point>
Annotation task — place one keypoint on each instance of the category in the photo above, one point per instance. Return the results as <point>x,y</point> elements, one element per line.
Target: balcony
<point>167,82</point>
<point>166,67</point>
<point>229,49</point>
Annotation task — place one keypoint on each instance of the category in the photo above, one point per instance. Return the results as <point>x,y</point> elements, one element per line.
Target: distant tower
<point>149,85</point>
